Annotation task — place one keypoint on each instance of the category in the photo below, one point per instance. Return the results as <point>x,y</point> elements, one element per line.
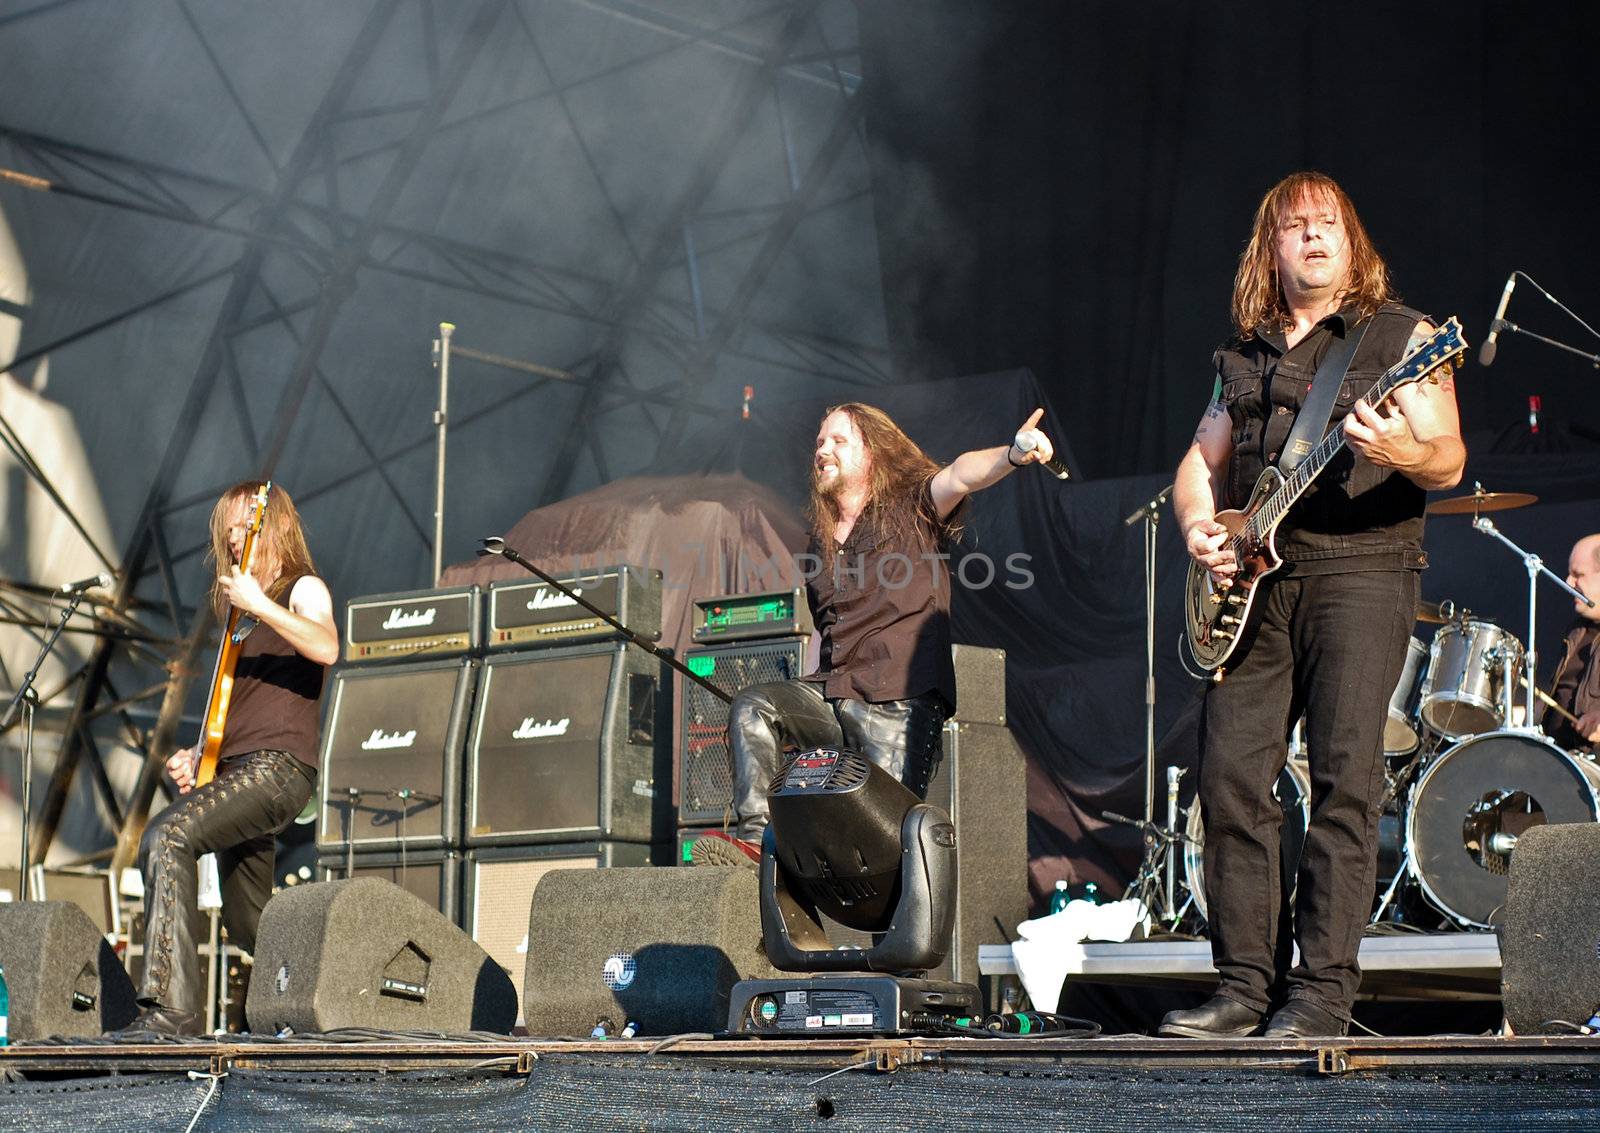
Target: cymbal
<point>1481,501</point>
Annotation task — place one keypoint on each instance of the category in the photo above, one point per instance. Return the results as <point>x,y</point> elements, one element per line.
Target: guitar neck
<point>1277,506</point>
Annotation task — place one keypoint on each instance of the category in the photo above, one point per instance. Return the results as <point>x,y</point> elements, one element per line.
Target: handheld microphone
<point>95,582</point>
<point>1490,344</point>
<point>1027,442</point>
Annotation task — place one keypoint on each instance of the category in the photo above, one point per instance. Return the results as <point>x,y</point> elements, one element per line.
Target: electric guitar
<point>1216,615</point>
<point>210,744</point>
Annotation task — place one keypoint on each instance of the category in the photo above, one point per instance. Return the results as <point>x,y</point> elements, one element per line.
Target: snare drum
<point>1496,784</point>
<point>1293,792</point>
<point>1467,669</point>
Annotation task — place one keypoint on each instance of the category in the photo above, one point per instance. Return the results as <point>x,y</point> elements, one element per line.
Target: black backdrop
<point>1066,187</point>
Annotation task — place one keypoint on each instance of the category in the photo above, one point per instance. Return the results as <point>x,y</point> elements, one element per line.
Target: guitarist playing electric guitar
<point>283,637</point>
<point>1326,632</point>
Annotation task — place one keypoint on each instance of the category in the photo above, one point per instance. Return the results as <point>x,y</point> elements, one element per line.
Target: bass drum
<point>1293,792</point>
<point>1498,783</point>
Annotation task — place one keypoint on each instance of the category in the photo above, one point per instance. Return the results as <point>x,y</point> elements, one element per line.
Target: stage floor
<point>837,1083</point>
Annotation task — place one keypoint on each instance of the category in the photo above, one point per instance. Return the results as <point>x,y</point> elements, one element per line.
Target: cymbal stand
<point>1535,567</point>
<point>1155,885</point>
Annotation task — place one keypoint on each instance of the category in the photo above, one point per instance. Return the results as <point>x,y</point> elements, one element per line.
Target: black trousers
<point>235,817</point>
<point>901,736</point>
<point>1330,646</point>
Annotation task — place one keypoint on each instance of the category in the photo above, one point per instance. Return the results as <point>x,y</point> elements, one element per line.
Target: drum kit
<point>1468,769</point>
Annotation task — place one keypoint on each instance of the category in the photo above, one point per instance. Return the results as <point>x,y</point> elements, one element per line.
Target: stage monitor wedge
<point>391,756</point>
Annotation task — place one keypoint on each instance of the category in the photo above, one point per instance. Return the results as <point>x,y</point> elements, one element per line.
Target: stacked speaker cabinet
<point>500,881</point>
<point>563,747</point>
<point>705,778</point>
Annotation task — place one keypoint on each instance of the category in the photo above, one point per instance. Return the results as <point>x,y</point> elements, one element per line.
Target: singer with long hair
<point>880,679</point>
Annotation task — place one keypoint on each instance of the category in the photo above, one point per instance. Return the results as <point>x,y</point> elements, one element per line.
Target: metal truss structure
<point>291,255</point>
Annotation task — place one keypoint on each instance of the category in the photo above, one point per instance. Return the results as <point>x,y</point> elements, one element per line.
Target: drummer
<point>1577,680</point>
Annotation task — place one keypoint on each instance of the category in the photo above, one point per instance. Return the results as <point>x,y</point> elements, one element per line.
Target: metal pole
<point>441,421</point>
<point>29,699</point>
<point>1150,665</point>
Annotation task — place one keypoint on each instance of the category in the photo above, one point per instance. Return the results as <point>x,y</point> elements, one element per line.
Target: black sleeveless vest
<point>1355,515</point>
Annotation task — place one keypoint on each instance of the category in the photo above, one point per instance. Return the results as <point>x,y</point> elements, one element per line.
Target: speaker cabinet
<point>661,948</point>
<point>500,881</point>
<point>432,876</point>
<point>564,746</point>
<point>62,975</point>
<point>1550,939</point>
<point>705,774</point>
<point>365,953</point>
<point>391,756</point>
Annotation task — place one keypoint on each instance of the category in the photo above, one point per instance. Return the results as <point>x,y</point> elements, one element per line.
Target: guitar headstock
<point>258,508</point>
<point>1442,351</point>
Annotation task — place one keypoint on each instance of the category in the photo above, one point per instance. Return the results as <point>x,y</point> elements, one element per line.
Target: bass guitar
<point>1216,615</point>
<point>210,745</point>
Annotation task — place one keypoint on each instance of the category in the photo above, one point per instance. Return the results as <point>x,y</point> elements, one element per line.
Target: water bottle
<point>5,1011</point>
<point>1059,899</point>
<point>1091,893</point>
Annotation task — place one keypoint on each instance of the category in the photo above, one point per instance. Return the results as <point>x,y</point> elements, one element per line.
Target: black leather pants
<point>901,736</point>
<point>235,817</point>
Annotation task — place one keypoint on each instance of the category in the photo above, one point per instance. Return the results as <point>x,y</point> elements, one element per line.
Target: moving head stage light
<point>846,840</point>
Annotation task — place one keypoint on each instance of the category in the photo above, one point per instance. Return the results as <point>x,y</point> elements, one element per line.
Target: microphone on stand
<point>1027,442</point>
<point>1491,344</point>
<point>96,582</point>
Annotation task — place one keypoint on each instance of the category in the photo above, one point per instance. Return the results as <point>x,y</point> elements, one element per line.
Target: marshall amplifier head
<point>415,625</point>
<point>527,614</point>
<point>565,746</point>
<point>391,756</point>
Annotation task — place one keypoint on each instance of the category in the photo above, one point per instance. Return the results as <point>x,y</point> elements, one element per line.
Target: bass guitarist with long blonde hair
<point>283,637</point>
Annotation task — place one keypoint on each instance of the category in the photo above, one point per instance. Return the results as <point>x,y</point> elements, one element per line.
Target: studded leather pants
<point>904,737</point>
<point>235,817</point>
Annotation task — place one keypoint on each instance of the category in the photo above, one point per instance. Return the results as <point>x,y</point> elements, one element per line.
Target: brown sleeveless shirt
<point>275,698</point>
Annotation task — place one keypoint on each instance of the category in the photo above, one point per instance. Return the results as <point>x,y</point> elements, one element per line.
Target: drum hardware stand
<point>1150,512</point>
<point>26,698</point>
<point>1535,566</point>
<point>1157,878</point>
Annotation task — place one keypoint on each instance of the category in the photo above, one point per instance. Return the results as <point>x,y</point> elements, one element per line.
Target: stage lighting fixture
<point>848,840</point>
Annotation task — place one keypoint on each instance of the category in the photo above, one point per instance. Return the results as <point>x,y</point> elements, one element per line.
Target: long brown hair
<point>281,554</point>
<point>1257,292</point>
<point>899,470</point>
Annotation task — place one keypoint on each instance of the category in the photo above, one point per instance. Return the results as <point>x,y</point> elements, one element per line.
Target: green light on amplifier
<point>701,666</point>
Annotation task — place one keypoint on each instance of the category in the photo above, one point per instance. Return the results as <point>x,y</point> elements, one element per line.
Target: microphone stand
<point>1150,512</point>
<point>1592,359</point>
<point>28,699</point>
<point>495,545</point>
<point>1535,566</point>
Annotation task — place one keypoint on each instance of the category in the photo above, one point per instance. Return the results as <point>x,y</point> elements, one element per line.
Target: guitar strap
<point>1312,421</point>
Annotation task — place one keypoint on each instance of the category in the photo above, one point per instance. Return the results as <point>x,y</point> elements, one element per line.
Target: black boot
<point>1302,1019</point>
<point>163,1022</point>
<point>1217,1018</point>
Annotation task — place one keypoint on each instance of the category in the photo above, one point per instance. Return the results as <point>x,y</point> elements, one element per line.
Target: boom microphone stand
<point>27,698</point>
<point>1150,512</point>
